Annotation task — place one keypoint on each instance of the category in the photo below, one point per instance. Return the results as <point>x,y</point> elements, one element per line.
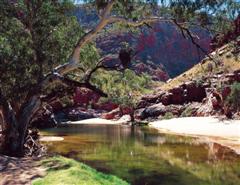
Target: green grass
<point>64,171</point>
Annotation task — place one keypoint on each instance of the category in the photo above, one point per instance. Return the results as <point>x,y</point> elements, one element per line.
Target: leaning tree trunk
<point>9,130</point>
<point>15,127</point>
<point>26,113</point>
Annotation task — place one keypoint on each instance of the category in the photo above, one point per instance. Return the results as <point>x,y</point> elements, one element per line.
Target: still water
<point>142,156</point>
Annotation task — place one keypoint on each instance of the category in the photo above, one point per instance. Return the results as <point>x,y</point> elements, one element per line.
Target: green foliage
<point>123,88</point>
<point>35,36</point>
<point>187,112</point>
<point>199,82</point>
<point>66,101</point>
<point>67,171</point>
<point>168,115</point>
<point>234,97</point>
<point>216,16</point>
<point>15,56</point>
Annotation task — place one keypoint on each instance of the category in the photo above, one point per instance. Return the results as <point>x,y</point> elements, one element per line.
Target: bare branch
<point>100,65</point>
<point>90,35</point>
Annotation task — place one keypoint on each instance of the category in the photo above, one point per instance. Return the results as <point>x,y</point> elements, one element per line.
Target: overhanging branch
<point>57,78</point>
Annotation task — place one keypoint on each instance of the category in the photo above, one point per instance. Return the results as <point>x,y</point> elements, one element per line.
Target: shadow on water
<point>142,156</point>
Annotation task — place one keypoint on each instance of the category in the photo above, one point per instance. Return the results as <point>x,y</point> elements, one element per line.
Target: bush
<point>234,97</point>
<point>168,115</point>
<point>187,112</point>
<point>123,88</point>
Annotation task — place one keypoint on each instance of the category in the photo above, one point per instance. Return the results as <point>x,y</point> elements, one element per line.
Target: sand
<point>99,121</point>
<point>224,132</point>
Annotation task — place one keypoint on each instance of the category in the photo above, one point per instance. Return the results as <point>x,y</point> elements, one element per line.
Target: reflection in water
<point>142,156</point>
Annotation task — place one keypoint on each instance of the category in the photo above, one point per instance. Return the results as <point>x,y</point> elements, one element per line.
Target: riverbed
<point>143,156</point>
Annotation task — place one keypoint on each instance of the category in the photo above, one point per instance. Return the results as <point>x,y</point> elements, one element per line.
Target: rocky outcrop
<point>187,92</point>
<point>160,110</point>
<point>118,113</point>
<point>194,91</point>
<point>193,98</point>
<point>107,106</point>
<point>114,114</point>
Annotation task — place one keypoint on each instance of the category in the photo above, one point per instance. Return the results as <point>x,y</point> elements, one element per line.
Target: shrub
<point>234,97</point>
<point>168,115</point>
<point>123,88</point>
<point>187,112</point>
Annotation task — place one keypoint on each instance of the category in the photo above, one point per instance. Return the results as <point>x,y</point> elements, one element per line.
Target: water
<point>142,156</point>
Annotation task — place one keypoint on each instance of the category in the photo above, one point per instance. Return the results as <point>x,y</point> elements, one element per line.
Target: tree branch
<point>90,35</point>
<point>56,77</point>
<point>100,65</point>
<point>188,34</point>
<point>139,23</point>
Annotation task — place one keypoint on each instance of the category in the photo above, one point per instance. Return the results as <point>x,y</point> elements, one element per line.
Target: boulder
<point>177,95</point>
<point>138,113</point>
<point>160,109</point>
<point>166,99</point>
<point>194,92</point>
<point>150,99</point>
<point>108,106</point>
<point>76,115</point>
<point>114,114</point>
<point>143,104</point>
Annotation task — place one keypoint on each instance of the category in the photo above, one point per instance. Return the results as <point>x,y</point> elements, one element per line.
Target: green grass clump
<point>187,112</point>
<point>234,97</point>
<point>168,115</point>
<point>64,171</point>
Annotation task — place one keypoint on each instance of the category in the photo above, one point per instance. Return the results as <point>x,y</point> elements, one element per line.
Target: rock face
<point>194,92</point>
<point>190,98</point>
<point>187,92</point>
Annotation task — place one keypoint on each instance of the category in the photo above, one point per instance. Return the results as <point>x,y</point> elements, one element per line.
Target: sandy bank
<point>223,132</point>
<point>50,138</point>
<point>98,121</point>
